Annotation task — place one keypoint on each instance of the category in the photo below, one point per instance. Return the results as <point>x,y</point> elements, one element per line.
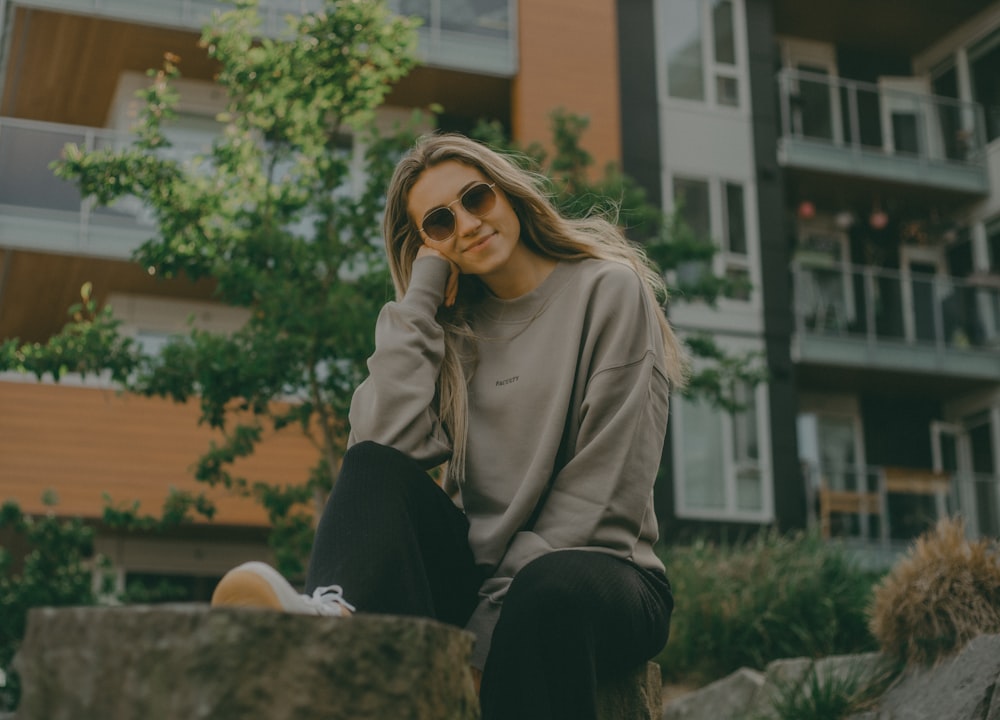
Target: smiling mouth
<point>479,243</point>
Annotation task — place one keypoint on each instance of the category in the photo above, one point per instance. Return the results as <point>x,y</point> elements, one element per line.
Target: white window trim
<point>710,69</point>
<point>730,513</point>
<point>723,260</point>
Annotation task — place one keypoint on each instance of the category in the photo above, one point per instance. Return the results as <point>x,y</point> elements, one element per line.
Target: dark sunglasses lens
<point>440,224</point>
<point>479,199</point>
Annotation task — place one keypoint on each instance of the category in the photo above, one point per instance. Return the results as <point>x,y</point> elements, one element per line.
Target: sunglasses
<point>439,224</point>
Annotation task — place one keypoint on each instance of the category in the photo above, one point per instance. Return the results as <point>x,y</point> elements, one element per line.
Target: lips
<point>479,243</point>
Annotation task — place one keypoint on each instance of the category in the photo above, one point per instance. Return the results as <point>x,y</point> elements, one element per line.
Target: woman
<point>529,352</point>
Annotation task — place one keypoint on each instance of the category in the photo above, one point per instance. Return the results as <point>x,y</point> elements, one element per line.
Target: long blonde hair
<point>543,230</point>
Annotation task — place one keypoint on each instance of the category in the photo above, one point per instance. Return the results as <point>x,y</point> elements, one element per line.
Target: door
<point>816,113</point>
<point>967,451</point>
<point>924,279</point>
<point>909,124</point>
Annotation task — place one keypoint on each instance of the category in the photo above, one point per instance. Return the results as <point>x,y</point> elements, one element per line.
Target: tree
<point>267,216</point>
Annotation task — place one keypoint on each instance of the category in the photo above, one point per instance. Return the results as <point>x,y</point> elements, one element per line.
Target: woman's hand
<point>451,288</point>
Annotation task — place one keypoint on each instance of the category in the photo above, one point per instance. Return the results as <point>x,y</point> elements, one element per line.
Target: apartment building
<point>68,73</point>
<point>844,157</point>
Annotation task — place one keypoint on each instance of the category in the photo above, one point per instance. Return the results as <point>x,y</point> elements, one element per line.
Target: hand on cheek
<point>451,287</point>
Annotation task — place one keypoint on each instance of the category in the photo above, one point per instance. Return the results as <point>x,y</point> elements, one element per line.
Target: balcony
<point>880,510</point>
<point>469,35</point>
<point>41,212</point>
<point>855,316</point>
<point>881,132</point>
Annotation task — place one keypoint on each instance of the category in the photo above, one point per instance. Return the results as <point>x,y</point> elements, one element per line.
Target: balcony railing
<point>886,508</point>
<point>881,131</point>
<point>468,35</point>
<point>39,211</point>
<point>866,315</point>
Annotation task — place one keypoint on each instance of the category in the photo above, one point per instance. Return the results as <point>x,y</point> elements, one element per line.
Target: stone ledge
<point>187,662</point>
<point>184,662</point>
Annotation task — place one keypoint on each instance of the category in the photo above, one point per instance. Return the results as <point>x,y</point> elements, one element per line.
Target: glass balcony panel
<point>31,150</point>
<point>477,17</point>
<point>885,131</point>
<point>920,309</point>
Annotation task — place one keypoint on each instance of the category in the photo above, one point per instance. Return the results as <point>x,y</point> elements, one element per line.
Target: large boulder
<point>185,662</point>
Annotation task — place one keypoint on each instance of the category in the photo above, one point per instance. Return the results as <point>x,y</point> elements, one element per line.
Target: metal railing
<point>879,120</point>
<point>455,33</point>
<point>887,508</point>
<point>884,306</point>
<point>30,189</point>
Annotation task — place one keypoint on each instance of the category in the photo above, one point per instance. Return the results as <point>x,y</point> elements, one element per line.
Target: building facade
<point>845,159</point>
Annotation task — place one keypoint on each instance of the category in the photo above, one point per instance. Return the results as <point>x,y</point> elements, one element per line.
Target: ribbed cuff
<point>427,284</point>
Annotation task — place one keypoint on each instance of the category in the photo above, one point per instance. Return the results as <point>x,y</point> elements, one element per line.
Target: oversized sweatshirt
<point>568,400</point>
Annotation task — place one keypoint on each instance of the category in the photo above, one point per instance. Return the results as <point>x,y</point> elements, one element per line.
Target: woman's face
<point>487,243</point>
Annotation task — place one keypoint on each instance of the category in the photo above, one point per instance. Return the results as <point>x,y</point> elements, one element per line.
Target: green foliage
<point>55,572</point>
<point>89,344</point>
<point>943,593</point>
<point>770,598</point>
<point>832,695</point>
<point>273,217</point>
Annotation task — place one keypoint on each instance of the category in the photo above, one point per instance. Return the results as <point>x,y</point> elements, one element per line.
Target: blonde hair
<point>543,230</point>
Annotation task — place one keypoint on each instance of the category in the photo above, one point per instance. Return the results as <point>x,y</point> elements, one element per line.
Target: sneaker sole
<point>251,585</point>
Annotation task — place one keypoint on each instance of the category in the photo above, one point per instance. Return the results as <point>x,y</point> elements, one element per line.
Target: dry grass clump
<point>945,592</point>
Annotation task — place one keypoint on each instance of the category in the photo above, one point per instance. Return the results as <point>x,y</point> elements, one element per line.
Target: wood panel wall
<point>81,442</point>
<point>568,58</point>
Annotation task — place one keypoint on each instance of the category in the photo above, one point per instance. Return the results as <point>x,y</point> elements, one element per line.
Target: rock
<point>734,697</point>
<point>636,696</point>
<point>960,688</point>
<point>185,662</point>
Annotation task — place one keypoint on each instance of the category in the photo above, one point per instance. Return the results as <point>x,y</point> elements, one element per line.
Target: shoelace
<point>329,600</point>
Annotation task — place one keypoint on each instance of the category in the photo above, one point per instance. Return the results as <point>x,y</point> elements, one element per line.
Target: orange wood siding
<point>569,59</point>
<point>83,442</point>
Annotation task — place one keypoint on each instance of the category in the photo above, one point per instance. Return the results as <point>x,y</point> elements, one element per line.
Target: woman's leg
<point>571,619</point>
<point>393,540</point>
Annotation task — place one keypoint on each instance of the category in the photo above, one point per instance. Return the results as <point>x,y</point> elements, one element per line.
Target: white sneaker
<point>258,585</point>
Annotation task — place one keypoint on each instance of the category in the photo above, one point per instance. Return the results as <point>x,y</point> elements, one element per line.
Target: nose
<point>465,222</point>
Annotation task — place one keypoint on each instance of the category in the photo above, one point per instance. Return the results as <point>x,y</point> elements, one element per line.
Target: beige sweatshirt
<point>567,416</point>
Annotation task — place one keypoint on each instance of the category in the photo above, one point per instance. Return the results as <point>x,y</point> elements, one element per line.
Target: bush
<point>55,571</point>
<point>945,592</point>
<point>773,597</point>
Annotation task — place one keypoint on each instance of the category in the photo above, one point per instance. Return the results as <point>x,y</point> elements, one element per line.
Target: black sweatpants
<point>397,544</point>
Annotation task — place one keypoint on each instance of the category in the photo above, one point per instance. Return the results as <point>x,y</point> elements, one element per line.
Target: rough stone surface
<point>185,662</point>
<point>636,696</point>
<point>966,687</point>
<point>961,688</point>
<point>733,697</point>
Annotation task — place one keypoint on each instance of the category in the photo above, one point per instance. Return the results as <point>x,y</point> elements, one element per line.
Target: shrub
<point>772,597</point>
<point>942,594</point>
<point>55,571</point>
<point>831,694</point>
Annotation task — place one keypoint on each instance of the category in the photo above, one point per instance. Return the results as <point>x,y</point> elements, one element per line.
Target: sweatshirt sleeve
<point>394,406</point>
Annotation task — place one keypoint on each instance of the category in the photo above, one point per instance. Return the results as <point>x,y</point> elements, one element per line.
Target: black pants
<point>397,544</point>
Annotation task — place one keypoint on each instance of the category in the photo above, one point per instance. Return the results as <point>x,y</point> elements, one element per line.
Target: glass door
<point>967,452</point>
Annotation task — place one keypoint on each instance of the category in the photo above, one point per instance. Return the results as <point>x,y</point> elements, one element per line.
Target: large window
<point>715,211</point>
<point>720,468</point>
<point>700,50</point>
<point>984,59</point>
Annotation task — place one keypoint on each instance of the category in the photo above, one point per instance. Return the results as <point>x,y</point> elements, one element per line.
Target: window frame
<point>731,464</point>
<point>724,261</point>
<point>712,70</point>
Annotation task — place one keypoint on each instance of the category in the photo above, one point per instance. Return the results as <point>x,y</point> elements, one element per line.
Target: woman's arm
<point>394,406</point>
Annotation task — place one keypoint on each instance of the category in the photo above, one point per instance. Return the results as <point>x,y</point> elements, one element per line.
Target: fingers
<point>451,289</point>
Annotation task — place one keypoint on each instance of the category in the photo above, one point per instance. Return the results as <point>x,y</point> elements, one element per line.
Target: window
<point>718,484</point>
<point>715,212</point>
<point>700,43</point>
<point>984,59</point>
